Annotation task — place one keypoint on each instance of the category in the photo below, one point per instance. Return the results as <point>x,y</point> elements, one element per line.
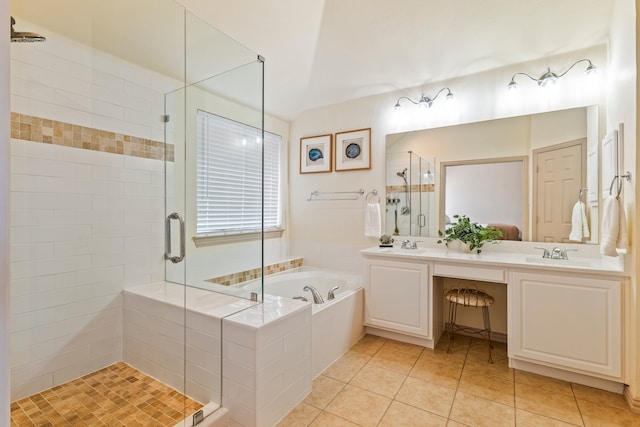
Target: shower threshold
<point>117,395</point>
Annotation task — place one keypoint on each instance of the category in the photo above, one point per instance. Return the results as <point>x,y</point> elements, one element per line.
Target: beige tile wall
<point>38,129</point>
<point>245,276</point>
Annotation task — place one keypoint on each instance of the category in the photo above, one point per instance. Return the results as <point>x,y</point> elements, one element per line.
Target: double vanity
<point>564,317</point>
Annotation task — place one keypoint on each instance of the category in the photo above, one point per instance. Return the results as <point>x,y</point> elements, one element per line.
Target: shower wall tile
<point>77,240</point>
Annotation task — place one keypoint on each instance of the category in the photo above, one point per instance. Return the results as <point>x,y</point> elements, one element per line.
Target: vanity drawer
<point>486,274</point>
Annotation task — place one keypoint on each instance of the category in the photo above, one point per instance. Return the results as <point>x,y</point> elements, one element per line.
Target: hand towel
<point>372,222</point>
<point>579,225</point>
<point>614,227</point>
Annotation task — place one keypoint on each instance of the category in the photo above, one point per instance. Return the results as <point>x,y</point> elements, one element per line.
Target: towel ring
<point>373,193</point>
<point>626,176</point>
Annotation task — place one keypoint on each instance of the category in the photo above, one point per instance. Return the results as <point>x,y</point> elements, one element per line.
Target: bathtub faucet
<point>331,294</point>
<point>317,298</point>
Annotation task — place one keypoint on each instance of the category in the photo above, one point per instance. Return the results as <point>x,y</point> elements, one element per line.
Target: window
<point>229,178</point>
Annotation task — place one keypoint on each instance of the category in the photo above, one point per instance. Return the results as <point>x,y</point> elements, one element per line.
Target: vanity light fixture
<point>549,78</point>
<point>425,101</point>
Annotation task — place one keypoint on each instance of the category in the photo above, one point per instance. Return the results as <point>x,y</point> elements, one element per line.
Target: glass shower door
<point>224,80</point>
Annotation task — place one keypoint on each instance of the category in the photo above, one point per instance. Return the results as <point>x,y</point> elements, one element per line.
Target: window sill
<point>223,239</point>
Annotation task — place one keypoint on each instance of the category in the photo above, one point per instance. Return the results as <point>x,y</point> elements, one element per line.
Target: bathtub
<point>337,324</point>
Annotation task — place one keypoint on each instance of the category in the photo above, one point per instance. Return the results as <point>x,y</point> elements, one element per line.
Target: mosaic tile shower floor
<point>117,395</point>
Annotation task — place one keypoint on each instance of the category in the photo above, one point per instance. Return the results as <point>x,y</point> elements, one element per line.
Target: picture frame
<point>353,150</point>
<point>315,154</point>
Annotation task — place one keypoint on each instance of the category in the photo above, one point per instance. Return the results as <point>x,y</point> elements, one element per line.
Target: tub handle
<point>331,295</point>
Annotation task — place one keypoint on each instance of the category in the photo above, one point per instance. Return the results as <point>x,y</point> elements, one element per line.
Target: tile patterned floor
<point>382,382</point>
<point>117,395</point>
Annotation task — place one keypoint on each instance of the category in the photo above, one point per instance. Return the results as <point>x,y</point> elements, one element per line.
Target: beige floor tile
<point>400,414</point>
<point>403,347</point>
<point>301,415</point>
<point>323,390</point>
<point>451,423</point>
<point>359,406</point>
<point>499,369</point>
<point>476,411</point>
<point>554,405</point>
<point>429,397</point>
<point>489,388</point>
<point>345,368</point>
<point>326,419</point>
<point>460,343</point>
<point>602,397</point>
<point>529,419</point>
<point>602,415</point>
<point>481,354</point>
<point>439,355</point>
<point>369,345</point>
<point>378,380</point>
<point>544,383</point>
<point>434,372</point>
<point>393,360</point>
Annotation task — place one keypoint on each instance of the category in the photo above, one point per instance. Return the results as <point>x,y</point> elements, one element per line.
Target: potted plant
<point>469,233</point>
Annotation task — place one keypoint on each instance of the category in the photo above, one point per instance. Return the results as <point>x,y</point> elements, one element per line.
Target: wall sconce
<point>549,78</point>
<point>425,101</point>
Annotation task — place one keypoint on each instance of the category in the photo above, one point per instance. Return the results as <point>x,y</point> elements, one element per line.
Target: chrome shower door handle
<point>167,255</point>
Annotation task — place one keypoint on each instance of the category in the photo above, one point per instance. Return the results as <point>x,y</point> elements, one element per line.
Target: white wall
<point>331,233</point>
<point>5,397</point>
<point>622,91</point>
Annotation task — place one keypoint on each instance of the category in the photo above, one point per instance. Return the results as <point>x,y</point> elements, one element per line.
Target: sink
<point>559,262</point>
<point>402,251</point>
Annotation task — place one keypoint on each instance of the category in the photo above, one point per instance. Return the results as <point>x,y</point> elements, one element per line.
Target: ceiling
<point>322,52</point>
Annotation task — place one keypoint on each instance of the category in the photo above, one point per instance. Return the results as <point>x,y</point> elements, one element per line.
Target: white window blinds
<point>229,177</point>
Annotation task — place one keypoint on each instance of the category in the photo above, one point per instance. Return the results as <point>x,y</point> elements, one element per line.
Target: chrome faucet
<point>555,253</point>
<point>331,292</point>
<point>408,244</point>
<point>317,298</point>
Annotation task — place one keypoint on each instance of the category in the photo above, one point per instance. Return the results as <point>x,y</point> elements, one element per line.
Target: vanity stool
<point>469,296</point>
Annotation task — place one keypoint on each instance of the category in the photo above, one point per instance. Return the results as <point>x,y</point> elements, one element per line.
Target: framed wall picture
<point>353,150</point>
<point>315,154</point>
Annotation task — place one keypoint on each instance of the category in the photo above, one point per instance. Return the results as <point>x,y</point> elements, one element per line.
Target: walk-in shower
<point>119,140</point>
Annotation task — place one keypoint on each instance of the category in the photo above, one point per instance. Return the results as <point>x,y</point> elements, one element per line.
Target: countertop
<point>526,257</point>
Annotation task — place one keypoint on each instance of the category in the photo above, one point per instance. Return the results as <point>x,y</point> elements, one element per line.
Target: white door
<point>559,177</point>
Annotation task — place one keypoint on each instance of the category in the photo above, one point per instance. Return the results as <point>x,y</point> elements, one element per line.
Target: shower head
<point>403,175</point>
<point>24,37</point>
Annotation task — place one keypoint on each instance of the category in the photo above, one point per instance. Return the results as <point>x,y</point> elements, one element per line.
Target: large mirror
<point>483,162</point>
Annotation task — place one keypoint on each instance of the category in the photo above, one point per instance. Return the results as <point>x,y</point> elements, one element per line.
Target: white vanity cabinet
<point>567,321</point>
<point>398,296</point>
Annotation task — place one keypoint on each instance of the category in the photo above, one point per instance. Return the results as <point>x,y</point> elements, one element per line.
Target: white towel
<point>372,220</point>
<point>579,225</point>
<point>614,227</point>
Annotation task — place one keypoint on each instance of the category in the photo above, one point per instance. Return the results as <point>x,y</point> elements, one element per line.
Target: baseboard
<point>495,336</point>
<point>569,376</point>
<point>410,339</point>
<point>634,404</point>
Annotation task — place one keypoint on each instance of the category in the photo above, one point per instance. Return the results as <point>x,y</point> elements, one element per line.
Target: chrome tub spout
<point>317,298</point>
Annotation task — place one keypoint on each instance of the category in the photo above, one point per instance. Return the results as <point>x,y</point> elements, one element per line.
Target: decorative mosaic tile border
<point>245,276</point>
<point>424,188</point>
<point>38,129</point>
